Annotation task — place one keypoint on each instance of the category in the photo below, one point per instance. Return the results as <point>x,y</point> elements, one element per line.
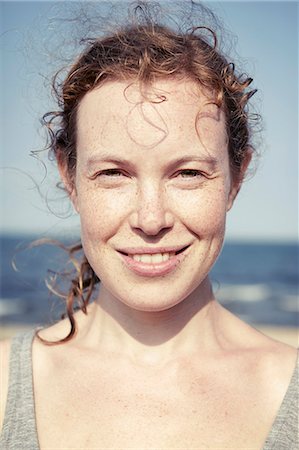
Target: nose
<point>150,214</point>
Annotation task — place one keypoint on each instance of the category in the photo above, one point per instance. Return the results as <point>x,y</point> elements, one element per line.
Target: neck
<point>153,338</point>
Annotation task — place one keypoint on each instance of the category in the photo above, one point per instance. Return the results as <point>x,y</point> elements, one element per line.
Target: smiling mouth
<point>153,258</point>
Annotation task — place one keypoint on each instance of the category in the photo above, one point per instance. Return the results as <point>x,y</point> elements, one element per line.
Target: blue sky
<point>267,33</point>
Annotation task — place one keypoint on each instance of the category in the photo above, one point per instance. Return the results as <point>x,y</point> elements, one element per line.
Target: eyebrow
<point>107,158</point>
<point>209,160</point>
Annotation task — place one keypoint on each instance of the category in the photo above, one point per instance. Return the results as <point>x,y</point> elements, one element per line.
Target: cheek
<point>102,213</point>
<point>203,212</point>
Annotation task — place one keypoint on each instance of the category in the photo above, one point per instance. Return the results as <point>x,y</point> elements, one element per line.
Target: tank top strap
<point>19,426</point>
<point>284,431</point>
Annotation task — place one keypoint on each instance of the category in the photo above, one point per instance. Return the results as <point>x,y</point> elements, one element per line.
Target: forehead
<point>169,111</point>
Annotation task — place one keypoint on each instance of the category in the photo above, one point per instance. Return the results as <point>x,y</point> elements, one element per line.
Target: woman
<point>152,142</point>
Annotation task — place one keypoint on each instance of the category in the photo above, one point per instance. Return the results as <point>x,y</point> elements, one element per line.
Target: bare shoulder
<point>280,361</point>
<point>55,332</point>
<point>264,356</point>
<point>275,354</point>
<point>273,361</point>
<point>50,352</point>
<point>272,370</point>
<point>5,346</point>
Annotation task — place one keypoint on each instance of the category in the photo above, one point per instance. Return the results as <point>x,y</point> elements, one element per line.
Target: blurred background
<point>256,275</point>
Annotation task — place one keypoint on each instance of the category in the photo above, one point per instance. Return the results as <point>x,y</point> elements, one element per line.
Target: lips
<point>153,261</point>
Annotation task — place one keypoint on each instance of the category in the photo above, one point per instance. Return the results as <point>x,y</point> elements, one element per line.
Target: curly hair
<point>144,51</point>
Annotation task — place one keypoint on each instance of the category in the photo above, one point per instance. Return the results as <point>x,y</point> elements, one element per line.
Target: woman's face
<point>152,189</point>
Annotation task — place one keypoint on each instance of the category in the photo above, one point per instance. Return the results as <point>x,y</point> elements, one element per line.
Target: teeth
<point>145,258</point>
<point>157,258</point>
<point>152,259</point>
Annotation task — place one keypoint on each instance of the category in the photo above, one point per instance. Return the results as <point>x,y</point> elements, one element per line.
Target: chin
<point>151,306</point>
<point>155,300</point>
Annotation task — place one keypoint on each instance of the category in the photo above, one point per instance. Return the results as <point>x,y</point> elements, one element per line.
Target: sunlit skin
<point>152,174</point>
<point>156,362</point>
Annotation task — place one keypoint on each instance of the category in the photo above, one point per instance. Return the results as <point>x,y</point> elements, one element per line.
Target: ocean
<point>256,281</point>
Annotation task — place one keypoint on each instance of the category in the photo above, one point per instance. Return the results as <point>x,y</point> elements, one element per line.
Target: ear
<point>66,178</point>
<point>237,182</point>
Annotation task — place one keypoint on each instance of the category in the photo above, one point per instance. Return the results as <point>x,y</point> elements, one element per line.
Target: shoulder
<point>275,357</point>
<point>5,347</point>
<point>280,362</point>
<point>271,362</point>
<point>270,366</point>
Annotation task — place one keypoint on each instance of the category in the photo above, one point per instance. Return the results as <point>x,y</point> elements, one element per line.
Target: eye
<point>109,178</point>
<point>189,178</point>
<point>114,173</point>
<point>190,173</point>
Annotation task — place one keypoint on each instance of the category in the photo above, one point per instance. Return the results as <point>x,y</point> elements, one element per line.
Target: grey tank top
<point>19,427</point>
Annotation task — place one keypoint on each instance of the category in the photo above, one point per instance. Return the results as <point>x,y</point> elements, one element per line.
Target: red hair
<point>144,51</point>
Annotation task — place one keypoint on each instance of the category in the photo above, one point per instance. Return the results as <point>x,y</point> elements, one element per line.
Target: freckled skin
<point>150,203</point>
<point>140,373</point>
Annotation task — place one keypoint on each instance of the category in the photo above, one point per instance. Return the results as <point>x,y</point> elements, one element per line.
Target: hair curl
<point>145,50</point>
